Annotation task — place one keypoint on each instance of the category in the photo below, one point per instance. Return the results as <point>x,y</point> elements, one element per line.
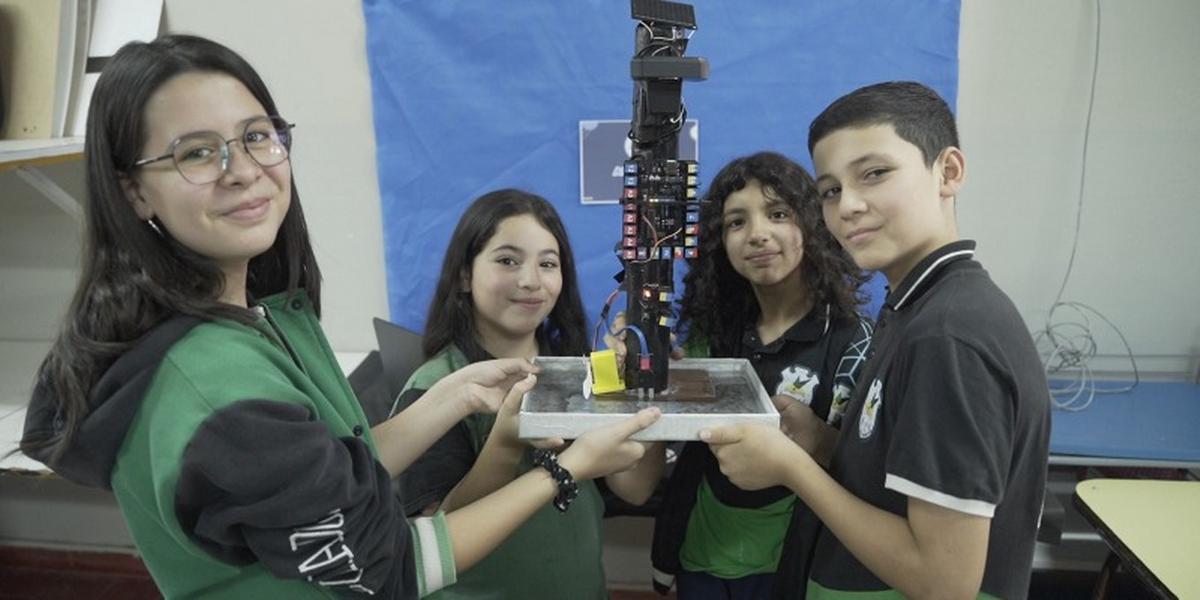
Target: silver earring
<point>154,226</point>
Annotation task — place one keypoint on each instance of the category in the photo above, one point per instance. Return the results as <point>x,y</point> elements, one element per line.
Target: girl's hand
<point>799,422</point>
<point>506,428</point>
<point>608,449</point>
<point>482,386</point>
<point>803,426</point>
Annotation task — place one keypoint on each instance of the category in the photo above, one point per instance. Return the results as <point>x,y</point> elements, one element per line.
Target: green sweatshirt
<point>245,468</point>
<point>551,556</point>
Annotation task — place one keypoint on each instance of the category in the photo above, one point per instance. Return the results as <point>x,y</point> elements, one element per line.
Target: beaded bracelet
<point>567,488</point>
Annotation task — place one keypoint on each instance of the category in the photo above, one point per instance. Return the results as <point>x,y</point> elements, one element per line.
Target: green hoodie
<point>245,468</point>
<point>552,555</point>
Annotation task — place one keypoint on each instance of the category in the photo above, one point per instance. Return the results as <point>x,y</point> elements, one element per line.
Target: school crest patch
<point>870,411</point>
<point>799,382</point>
<point>841,399</point>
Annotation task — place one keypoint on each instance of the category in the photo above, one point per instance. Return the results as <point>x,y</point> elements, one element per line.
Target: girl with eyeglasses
<point>192,378</point>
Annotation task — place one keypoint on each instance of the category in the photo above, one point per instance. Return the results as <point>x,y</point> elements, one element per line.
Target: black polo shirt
<point>816,361</point>
<point>952,408</point>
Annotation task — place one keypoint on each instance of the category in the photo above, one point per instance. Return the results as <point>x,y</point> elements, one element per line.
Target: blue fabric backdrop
<point>474,96</point>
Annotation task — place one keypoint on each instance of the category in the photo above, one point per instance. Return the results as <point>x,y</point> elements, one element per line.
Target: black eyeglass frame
<point>286,133</point>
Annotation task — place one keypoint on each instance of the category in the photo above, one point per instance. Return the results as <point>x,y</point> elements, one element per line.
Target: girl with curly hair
<point>771,285</point>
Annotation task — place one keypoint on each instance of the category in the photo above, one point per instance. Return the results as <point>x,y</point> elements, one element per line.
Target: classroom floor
<point>34,574</point>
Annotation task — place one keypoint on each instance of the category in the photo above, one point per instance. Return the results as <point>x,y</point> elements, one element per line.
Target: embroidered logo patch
<point>870,411</point>
<point>841,398</point>
<point>799,382</point>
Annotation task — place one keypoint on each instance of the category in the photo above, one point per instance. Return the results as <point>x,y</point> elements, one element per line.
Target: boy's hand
<point>799,422</point>
<point>753,457</point>
<point>482,386</point>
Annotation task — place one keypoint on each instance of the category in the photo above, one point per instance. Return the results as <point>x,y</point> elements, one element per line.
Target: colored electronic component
<point>605,375</point>
<point>661,201</point>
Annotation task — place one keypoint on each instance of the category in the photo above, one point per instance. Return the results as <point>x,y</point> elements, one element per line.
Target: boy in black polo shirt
<point>936,481</point>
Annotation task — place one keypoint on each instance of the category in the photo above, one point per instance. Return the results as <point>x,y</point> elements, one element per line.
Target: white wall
<point>1025,68</point>
<point>312,55</point>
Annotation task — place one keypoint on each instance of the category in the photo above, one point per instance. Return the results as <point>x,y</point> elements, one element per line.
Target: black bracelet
<point>567,488</point>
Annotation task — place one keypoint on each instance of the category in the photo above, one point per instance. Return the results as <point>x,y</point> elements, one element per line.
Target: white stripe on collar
<point>931,268</point>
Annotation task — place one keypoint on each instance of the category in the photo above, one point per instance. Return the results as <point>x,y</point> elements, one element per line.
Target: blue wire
<point>641,338</point>
<point>604,319</point>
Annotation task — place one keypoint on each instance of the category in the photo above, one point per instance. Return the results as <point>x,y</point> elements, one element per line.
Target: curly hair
<point>717,301</point>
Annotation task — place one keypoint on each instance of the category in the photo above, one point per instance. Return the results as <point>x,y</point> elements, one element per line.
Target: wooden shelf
<point>37,153</point>
<point>27,157</point>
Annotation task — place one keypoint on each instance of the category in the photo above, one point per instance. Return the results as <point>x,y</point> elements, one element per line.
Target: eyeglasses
<point>203,156</point>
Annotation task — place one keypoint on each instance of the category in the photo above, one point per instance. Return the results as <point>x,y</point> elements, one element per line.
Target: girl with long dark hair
<point>508,289</point>
<point>773,286</point>
<point>192,377</point>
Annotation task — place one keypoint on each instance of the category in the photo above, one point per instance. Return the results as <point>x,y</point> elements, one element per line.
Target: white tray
<point>557,407</point>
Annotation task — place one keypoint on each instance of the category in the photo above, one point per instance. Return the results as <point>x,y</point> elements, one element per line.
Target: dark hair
<point>452,310</point>
<point>133,278</point>
<point>717,301</point>
<point>918,114</point>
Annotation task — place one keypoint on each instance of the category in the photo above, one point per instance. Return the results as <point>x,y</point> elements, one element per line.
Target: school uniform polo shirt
<point>732,532</point>
<point>952,408</point>
<point>813,361</point>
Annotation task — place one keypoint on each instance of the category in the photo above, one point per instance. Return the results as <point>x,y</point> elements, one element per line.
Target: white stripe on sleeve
<point>901,485</point>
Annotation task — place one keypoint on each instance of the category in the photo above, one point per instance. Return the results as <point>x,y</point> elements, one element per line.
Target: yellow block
<point>606,376</point>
